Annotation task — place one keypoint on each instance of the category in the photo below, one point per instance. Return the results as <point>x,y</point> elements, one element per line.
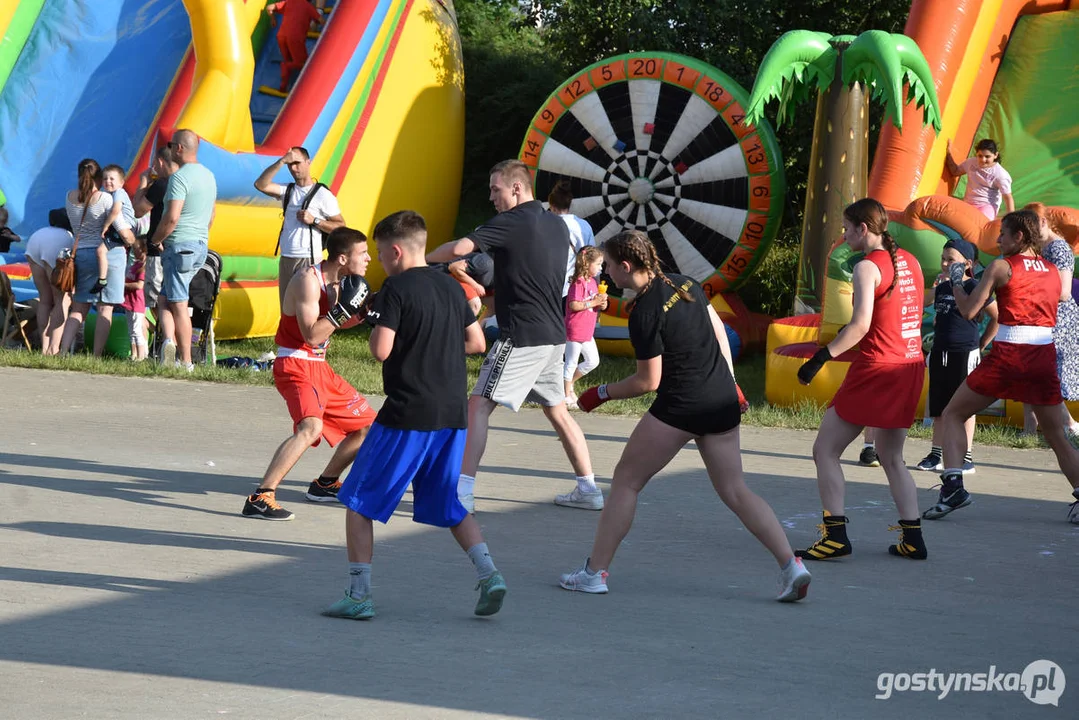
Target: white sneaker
<point>581,499</point>
<point>469,501</point>
<point>168,354</point>
<point>793,581</point>
<point>1073,511</point>
<point>580,580</point>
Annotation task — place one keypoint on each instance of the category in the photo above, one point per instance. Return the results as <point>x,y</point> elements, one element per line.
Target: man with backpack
<point>310,211</point>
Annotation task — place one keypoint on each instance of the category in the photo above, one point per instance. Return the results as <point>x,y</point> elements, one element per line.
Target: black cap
<point>963,247</point>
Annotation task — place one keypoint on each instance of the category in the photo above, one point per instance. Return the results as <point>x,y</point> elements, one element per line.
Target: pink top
<point>985,185</point>
<point>135,300</point>
<point>581,324</point>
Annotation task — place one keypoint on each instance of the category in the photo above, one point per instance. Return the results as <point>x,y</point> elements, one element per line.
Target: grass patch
<point>351,358</point>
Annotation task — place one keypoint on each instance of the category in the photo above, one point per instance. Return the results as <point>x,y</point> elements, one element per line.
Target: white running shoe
<point>580,580</point>
<point>1073,511</point>
<point>581,500</point>
<point>469,501</point>
<point>793,581</point>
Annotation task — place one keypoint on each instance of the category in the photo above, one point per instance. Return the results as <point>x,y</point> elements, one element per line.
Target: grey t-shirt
<point>88,229</point>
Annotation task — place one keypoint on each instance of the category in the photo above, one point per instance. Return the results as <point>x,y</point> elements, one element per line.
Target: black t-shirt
<point>478,266</point>
<point>695,380</point>
<point>952,332</point>
<point>529,247</point>
<point>424,378</point>
<point>155,195</point>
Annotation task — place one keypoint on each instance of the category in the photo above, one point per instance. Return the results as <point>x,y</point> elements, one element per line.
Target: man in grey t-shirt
<point>184,231</point>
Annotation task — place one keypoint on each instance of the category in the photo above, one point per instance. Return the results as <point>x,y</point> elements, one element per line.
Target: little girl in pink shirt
<point>582,305</point>
<point>987,181</point>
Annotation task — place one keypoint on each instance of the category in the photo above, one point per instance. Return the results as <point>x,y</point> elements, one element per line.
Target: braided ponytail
<point>890,246</point>
<point>634,247</point>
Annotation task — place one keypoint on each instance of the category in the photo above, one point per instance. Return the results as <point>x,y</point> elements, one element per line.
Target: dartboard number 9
<point>658,142</point>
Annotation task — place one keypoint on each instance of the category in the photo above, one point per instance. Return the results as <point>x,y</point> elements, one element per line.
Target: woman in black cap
<point>957,348</point>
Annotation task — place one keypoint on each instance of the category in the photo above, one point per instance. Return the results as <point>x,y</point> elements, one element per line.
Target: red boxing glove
<point>743,404</point>
<point>592,398</point>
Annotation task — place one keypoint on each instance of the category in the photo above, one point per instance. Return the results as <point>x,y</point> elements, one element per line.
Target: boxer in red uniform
<point>1022,364</point>
<point>322,404</point>
<point>296,17</point>
<point>882,387</point>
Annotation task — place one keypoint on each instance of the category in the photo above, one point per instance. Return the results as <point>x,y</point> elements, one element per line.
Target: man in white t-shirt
<point>307,219</point>
<point>580,232</point>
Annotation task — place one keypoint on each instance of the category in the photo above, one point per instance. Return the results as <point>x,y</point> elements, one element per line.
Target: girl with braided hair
<point>882,386</point>
<point>1022,364</point>
<point>684,357</point>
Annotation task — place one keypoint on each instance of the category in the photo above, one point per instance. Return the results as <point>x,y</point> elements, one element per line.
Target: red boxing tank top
<point>1030,297</point>
<point>288,330</point>
<point>895,332</point>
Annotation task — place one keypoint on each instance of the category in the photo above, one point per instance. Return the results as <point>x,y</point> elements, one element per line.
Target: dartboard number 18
<point>657,142</point>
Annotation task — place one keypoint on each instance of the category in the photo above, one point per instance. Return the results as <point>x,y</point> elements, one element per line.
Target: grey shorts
<point>286,268</point>
<point>512,376</point>
<point>152,285</point>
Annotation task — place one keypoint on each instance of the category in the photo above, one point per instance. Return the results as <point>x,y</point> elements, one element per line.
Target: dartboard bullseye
<point>657,142</point>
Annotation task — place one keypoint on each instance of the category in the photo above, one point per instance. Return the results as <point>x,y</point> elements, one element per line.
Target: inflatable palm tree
<point>846,71</point>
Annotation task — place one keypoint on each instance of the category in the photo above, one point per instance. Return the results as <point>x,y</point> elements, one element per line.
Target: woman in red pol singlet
<point>1022,364</point>
<point>882,387</point>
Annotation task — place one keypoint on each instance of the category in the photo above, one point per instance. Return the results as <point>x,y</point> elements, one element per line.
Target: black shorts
<point>706,422</point>
<point>947,371</point>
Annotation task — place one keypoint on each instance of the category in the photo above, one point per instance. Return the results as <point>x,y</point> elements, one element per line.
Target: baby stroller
<point>202,300</point>
<point>202,294</point>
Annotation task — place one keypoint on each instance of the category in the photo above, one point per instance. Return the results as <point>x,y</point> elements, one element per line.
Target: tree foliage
<point>511,65</point>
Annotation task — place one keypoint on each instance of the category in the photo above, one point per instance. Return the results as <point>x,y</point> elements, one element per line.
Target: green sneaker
<point>492,590</point>
<point>350,608</point>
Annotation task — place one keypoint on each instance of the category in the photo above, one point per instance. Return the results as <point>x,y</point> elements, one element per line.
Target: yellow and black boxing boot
<point>910,545</point>
<point>833,541</point>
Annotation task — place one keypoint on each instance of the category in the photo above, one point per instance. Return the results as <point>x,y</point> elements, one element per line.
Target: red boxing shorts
<point>881,395</point>
<point>312,389</point>
<point>1024,373</point>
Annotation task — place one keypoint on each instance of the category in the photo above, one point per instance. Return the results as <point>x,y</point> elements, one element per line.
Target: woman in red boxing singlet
<point>1022,364</point>
<point>882,387</point>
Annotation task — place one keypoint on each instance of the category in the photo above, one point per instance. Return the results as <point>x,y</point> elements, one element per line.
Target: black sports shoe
<point>263,506</point>
<point>833,541</point>
<point>869,457</point>
<point>951,499</point>
<point>910,544</point>
<point>317,492</point>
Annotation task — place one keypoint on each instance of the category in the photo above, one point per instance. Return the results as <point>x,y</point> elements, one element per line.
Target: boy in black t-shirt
<point>423,329</point>
<point>957,349</point>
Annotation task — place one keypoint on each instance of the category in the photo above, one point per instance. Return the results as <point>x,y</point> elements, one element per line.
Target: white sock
<point>587,483</point>
<point>465,485</point>
<point>868,445</point>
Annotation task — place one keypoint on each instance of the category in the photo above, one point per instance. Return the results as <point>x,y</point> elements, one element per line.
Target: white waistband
<point>1024,334</point>
<point>299,354</point>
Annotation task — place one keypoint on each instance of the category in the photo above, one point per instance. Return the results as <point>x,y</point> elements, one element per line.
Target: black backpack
<point>303,206</point>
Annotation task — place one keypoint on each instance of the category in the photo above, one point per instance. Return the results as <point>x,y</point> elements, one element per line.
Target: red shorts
<point>1024,373</point>
<point>882,395</point>
<point>312,389</point>
<point>470,292</point>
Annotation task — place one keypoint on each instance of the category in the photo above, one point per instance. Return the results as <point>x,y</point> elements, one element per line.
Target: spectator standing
<point>580,232</point>
<point>528,246</point>
<point>310,211</point>
<point>150,198</point>
<point>184,233</point>
<point>87,209</point>
<point>42,248</point>
<point>135,300</point>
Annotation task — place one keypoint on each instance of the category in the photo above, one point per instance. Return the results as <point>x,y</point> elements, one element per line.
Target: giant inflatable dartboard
<point>657,142</point>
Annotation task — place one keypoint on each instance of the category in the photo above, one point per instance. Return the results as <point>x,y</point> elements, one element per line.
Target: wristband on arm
<point>593,397</point>
<point>809,370</point>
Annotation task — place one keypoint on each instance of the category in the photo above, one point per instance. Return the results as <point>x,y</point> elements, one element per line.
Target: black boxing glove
<point>353,296</point>
<point>812,366</point>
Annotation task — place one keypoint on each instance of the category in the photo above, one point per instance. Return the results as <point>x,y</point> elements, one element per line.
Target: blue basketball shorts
<point>390,459</point>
